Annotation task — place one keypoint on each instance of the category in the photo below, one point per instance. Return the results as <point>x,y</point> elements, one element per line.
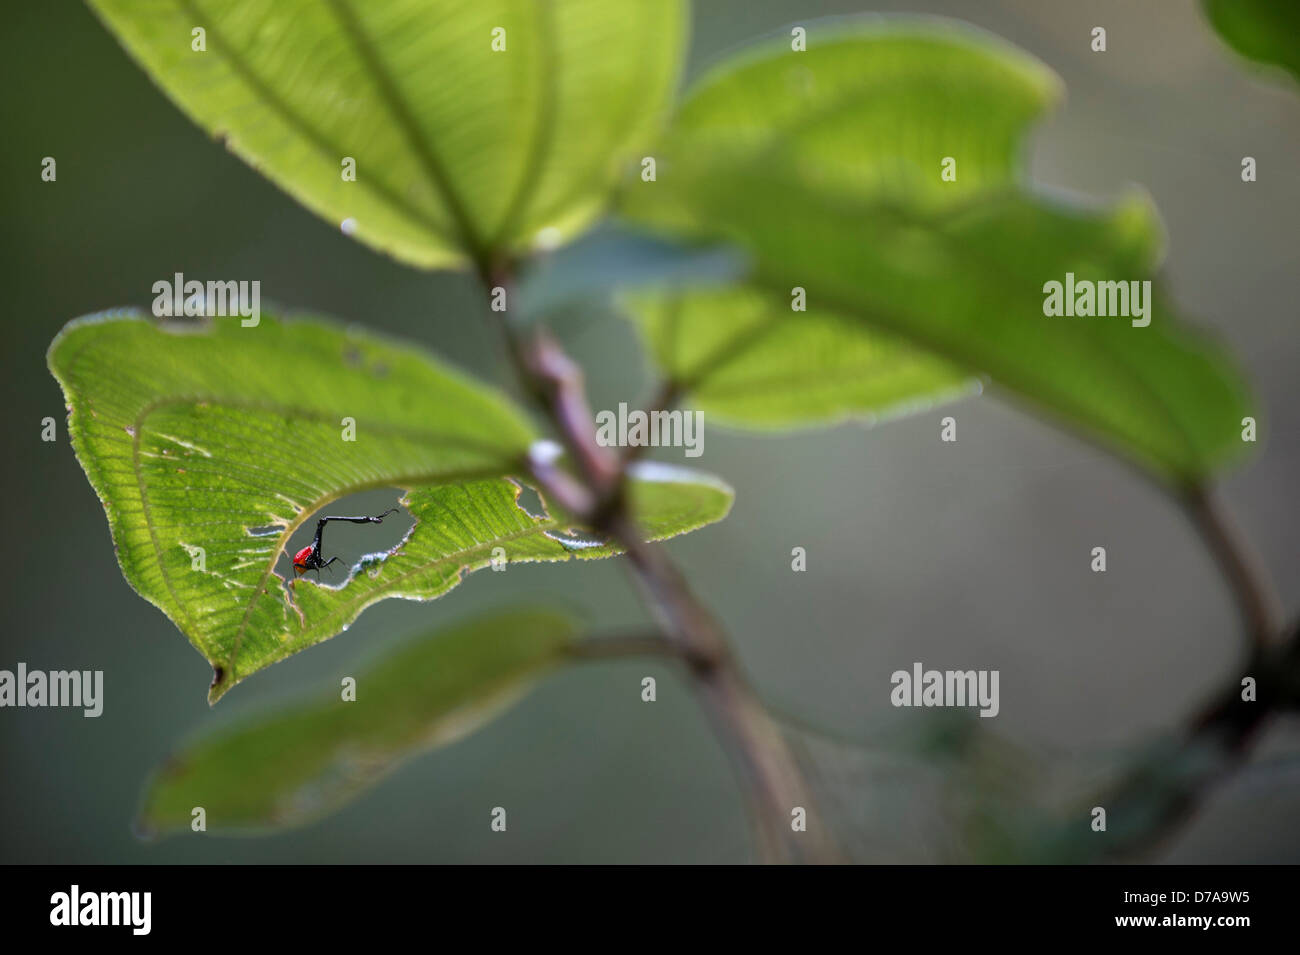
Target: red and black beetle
<point>309,557</point>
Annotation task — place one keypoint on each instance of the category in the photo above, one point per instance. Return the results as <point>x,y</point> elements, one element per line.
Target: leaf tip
<point>219,685</point>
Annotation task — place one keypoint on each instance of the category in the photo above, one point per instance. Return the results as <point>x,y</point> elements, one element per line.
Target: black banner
<point>334,903</point>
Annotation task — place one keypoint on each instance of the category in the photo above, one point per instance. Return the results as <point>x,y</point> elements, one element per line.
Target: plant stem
<point>771,779</point>
<point>1225,732</point>
<point>663,400</point>
<point>1245,573</point>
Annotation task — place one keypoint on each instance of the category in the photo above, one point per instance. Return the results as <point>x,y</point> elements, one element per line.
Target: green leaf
<point>744,363</point>
<point>462,152</point>
<point>296,765</point>
<point>868,110</point>
<point>1262,30</point>
<point>228,439</point>
<point>825,166</point>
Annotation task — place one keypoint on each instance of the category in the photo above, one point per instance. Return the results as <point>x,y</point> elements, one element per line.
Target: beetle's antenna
<point>359,520</point>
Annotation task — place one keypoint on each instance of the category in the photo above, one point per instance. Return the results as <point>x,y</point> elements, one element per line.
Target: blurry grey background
<point>967,555</point>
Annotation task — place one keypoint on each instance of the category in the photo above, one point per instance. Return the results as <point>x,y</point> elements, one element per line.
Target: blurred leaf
<point>614,257</point>
<point>868,111</point>
<point>461,151</point>
<point>293,766</point>
<point>855,114</point>
<point>1267,31</point>
<point>229,438</point>
<point>745,363</point>
<point>825,167</point>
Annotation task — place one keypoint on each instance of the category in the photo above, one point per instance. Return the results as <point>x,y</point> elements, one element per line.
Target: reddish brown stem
<point>770,777</point>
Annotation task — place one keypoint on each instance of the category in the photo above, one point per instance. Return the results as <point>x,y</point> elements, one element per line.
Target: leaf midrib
<point>542,145</point>
<point>1077,413</point>
<point>314,136</point>
<point>395,102</point>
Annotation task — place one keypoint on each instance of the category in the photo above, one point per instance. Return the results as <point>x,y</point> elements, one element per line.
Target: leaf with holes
<point>200,439</point>
<point>915,283</point>
<point>300,763</point>
<point>475,128</point>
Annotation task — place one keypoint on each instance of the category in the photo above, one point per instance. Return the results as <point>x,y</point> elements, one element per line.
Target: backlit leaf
<point>461,151</point>
<point>297,764</point>
<point>825,167</point>
<point>210,446</point>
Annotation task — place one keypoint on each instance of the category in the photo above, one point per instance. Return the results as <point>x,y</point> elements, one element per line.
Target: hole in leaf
<point>530,502</point>
<point>363,546</point>
<point>572,540</point>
